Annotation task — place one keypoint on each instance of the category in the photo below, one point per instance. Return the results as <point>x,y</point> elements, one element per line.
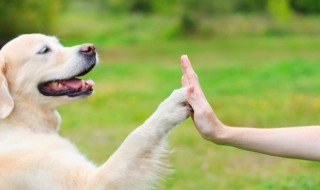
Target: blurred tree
<point>193,13</point>
<point>141,6</point>
<point>125,6</point>
<point>279,10</point>
<point>27,16</point>
<point>246,6</point>
<point>306,6</point>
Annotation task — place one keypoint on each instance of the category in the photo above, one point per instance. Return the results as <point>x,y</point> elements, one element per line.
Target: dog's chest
<point>39,161</point>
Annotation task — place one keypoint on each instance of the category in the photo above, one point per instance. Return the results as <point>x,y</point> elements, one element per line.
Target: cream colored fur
<point>32,154</point>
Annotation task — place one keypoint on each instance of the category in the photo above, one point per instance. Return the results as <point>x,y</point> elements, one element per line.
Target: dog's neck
<point>35,118</point>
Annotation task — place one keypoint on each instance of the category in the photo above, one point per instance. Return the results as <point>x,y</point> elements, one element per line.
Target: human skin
<point>292,142</point>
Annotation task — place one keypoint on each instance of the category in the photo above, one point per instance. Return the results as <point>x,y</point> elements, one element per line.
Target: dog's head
<point>38,69</point>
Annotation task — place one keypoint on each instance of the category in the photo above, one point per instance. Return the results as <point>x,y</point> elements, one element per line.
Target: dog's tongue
<point>78,83</point>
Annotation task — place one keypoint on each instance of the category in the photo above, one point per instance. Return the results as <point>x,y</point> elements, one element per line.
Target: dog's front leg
<point>136,165</point>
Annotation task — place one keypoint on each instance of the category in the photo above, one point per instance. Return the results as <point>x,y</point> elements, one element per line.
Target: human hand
<point>203,116</point>
<point>273,141</point>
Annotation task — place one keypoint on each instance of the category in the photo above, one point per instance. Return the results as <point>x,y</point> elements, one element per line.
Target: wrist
<point>217,132</point>
<point>220,134</point>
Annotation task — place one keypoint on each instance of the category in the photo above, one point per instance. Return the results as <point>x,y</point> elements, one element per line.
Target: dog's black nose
<point>88,49</point>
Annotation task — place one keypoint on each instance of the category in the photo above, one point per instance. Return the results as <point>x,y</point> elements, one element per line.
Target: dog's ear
<point>6,101</point>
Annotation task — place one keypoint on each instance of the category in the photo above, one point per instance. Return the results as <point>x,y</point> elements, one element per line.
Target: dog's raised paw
<point>175,108</point>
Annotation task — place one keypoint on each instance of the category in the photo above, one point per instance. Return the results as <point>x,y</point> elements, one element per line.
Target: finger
<point>188,71</point>
<point>184,64</point>
<point>193,98</point>
<point>184,81</point>
<point>197,100</point>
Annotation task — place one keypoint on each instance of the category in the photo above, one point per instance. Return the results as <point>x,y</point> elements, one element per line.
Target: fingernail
<point>184,56</point>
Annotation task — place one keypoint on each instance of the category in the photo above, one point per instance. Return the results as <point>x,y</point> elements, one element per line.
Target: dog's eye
<point>44,50</point>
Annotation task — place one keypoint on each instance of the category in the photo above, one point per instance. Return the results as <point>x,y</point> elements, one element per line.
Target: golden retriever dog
<point>37,74</point>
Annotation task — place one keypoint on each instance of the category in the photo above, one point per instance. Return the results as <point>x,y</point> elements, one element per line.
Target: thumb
<point>197,100</point>
<point>193,98</point>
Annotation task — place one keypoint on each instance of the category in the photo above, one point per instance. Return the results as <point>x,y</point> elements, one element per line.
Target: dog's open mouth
<point>71,87</point>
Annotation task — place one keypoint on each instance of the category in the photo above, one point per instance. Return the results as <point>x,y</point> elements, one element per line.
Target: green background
<point>257,61</point>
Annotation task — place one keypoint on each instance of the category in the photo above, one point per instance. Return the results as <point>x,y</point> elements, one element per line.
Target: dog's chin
<point>71,87</point>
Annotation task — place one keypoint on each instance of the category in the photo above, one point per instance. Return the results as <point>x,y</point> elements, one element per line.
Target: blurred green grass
<point>263,80</point>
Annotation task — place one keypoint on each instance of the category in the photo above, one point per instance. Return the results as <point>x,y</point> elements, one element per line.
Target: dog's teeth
<point>83,83</point>
<point>54,83</point>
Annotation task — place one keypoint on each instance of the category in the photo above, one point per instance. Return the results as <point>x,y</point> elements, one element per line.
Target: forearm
<point>291,142</point>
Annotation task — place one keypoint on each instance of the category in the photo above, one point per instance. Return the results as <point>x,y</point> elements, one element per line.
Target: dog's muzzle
<point>73,86</point>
